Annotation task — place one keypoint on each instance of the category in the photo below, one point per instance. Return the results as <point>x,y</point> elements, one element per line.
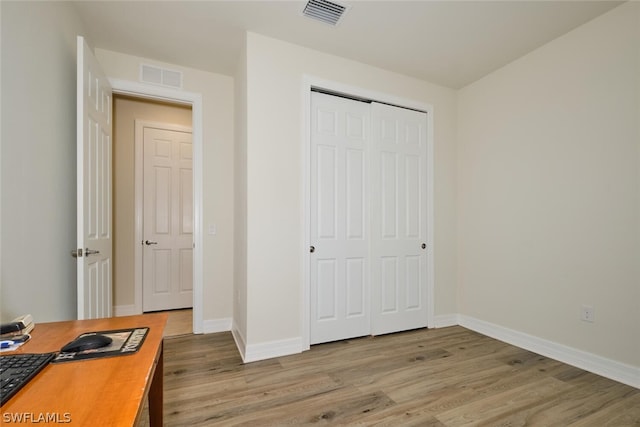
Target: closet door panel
<point>398,219</point>
<point>339,265</point>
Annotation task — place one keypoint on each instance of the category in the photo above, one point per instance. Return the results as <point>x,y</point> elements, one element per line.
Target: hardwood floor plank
<point>572,407</point>
<point>493,407</point>
<point>622,413</point>
<point>341,406</point>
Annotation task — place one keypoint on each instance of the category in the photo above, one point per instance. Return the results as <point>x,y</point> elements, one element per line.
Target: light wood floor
<point>179,322</point>
<point>440,377</point>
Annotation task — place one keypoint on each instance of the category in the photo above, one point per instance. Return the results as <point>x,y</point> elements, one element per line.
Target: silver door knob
<point>76,253</point>
<point>149,242</point>
<point>88,252</point>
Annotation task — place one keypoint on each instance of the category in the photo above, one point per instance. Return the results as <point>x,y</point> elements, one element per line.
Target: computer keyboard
<point>16,370</point>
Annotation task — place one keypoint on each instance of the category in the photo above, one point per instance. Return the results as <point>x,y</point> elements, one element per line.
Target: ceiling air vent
<point>160,76</point>
<point>325,11</point>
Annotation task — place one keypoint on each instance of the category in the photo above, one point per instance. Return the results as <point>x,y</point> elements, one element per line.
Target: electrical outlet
<point>588,314</point>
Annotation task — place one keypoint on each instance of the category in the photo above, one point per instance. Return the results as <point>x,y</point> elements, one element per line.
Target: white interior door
<point>94,233</point>
<point>339,264</point>
<point>398,219</point>
<point>167,273</point>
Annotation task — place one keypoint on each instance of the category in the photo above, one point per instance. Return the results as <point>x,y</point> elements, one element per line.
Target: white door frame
<point>140,125</point>
<point>309,82</point>
<point>140,90</point>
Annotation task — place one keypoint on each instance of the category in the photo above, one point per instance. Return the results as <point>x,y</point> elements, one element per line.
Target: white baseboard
<point>209,326</point>
<point>263,351</point>
<point>212,326</point>
<point>125,310</point>
<point>268,350</point>
<point>605,367</point>
<point>240,341</point>
<point>445,320</point>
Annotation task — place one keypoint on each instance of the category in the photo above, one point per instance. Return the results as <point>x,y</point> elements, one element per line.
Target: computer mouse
<point>87,342</point>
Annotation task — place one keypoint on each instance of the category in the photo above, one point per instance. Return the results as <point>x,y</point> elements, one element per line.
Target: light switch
<point>212,229</point>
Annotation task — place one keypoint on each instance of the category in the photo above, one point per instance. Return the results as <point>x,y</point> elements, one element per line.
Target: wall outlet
<point>588,314</point>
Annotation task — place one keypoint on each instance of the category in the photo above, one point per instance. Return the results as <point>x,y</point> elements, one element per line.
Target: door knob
<point>149,242</point>
<point>312,249</point>
<point>424,246</point>
<point>88,252</point>
<point>76,253</point>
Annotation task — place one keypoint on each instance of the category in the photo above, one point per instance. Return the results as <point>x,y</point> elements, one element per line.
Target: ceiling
<point>451,43</point>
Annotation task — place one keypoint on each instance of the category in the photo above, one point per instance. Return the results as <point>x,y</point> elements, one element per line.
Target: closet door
<point>339,262</point>
<point>398,219</point>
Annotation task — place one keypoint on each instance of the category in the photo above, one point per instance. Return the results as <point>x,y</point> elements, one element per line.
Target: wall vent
<point>325,11</point>
<point>160,76</point>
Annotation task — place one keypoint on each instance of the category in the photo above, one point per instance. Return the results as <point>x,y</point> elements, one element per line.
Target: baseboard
<point>445,320</point>
<point>240,341</point>
<point>268,350</point>
<point>605,367</point>
<point>212,326</point>
<point>125,310</point>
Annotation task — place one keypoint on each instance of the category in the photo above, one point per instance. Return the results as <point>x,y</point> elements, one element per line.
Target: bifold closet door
<point>398,219</point>
<point>339,262</point>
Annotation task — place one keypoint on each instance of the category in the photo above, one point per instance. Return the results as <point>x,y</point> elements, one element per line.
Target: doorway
<point>127,193</point>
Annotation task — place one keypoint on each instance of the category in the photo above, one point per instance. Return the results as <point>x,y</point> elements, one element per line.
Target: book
<point>21,325</point>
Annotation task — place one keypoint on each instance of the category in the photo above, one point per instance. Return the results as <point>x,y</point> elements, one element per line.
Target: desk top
<point>108,391</point>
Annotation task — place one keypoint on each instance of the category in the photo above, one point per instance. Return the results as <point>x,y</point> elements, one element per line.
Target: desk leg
<point>156,392</point>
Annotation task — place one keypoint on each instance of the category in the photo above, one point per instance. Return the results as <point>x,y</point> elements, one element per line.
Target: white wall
<point>275,208</point>
<point>38,189</point>
<point>218,192</point>
<point>549,190</point>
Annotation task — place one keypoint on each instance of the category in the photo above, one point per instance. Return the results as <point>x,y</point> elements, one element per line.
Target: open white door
<point>94,187</point>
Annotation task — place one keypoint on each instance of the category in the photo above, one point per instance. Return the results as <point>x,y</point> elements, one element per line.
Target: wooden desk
<point>98,392</point>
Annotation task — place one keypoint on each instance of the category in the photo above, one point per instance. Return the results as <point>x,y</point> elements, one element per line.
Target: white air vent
<point>160,76</point>
<point>325,11</point>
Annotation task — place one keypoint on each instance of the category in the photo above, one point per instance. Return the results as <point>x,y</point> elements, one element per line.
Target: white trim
<point>138,235</point>
<point>241,342</point>
<point>445,320</point>
<point>603,366</point>
<point>211,326</point>
<point>307,83</point>
<point>305,316</point>
<point>263,351</point>
<point>431,274</point>
<point>124,87</point>
<point>269,350</point>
